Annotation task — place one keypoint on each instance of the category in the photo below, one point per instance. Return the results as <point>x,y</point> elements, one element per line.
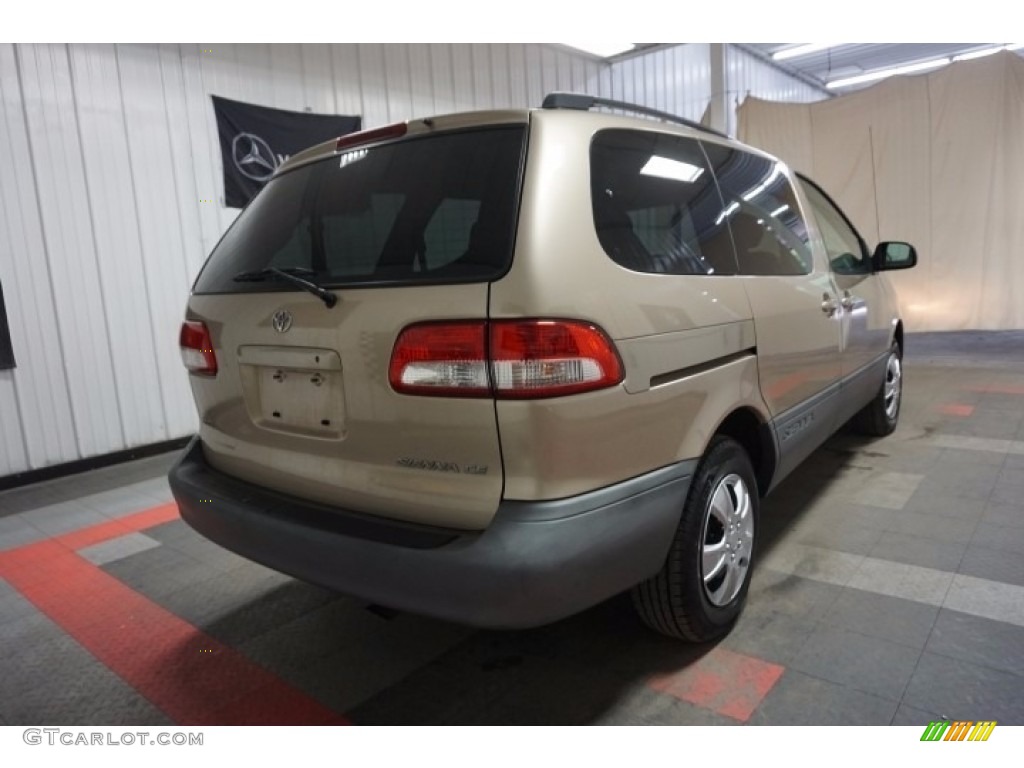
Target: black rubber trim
<point>693,370</point>
<point>92,462</point>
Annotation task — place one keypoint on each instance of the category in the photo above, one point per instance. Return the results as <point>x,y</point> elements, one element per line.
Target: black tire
<point>676,602</point>
<point>879,418</point>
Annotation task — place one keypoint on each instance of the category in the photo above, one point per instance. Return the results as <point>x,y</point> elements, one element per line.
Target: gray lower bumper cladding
<point>536,563</point>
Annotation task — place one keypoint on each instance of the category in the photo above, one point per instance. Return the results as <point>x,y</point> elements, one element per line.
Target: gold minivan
<point>497,367</point>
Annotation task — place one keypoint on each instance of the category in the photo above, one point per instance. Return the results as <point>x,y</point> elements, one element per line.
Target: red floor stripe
<point>1000,389</point>
<point>129,524</point>
<point>192,677</point>
<point>726,682</point>
<point>956,409</point>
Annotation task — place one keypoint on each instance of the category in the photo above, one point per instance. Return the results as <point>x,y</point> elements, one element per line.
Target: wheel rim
<point>728,540</point>
<point>893,386</point>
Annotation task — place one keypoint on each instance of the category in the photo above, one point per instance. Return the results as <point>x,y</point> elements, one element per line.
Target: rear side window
<point>434,209</point>
<point>762,212</point>
<point>656,207</point>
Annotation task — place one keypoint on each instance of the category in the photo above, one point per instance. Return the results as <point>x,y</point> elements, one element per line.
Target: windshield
<point>434,209</point>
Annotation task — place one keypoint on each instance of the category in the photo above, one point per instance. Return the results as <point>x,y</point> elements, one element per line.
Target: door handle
<point>828,305</point>
<point>848,301</point>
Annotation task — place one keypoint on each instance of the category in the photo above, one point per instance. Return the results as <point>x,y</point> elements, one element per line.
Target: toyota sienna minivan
<point>497,367</point>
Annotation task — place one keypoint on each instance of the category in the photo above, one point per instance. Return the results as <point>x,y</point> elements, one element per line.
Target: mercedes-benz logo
<point>282,320</point>
<point>253,157</point>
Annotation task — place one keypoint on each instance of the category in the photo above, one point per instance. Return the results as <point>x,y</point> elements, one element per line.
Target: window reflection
<point>656,209</point>
<point>762,213</point>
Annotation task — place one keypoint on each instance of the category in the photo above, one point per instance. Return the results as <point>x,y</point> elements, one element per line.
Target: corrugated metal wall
<point>676,80</point>
<point>746,75</point>
<point>109,200</point>
<point>749,76</point>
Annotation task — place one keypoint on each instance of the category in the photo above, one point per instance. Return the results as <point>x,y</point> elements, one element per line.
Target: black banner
<point>6,350</point>
<point>255,140</point>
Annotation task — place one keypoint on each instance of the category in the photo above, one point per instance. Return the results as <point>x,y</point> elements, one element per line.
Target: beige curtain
<point>935,159</point>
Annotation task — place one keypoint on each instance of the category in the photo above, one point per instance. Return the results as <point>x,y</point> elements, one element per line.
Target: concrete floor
<point>890,589</point>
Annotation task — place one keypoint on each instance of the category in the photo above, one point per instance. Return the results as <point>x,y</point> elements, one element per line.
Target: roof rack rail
<point>584,102</point>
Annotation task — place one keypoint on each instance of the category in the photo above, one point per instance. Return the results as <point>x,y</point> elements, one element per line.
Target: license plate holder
<point>301,401</point>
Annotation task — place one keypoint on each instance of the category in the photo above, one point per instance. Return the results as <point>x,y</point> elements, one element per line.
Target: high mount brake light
<point>394,131</point>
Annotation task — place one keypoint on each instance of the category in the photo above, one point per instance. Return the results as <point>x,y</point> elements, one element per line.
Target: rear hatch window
<point>435,209</point>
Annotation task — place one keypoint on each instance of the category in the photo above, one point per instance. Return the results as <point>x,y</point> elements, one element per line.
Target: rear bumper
<point>536,563</point>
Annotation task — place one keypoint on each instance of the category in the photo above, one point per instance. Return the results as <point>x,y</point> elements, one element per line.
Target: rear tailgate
<point>403,232</point>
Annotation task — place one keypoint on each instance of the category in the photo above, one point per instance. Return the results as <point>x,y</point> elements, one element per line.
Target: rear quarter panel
<point>664,327</point>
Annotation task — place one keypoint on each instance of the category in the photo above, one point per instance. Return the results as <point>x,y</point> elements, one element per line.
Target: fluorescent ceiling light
<point>751,194</point>
<point>729,211</point>
<point>667,168</point>
<point>977,54</point>
<point>604,50</point>
<point>987,52</point>
<point>881,74</point>
<point>781,209</point>
<point>801,50</point>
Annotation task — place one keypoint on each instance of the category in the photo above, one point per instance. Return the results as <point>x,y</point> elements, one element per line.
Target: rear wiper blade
<point>262,274</point>
<point>294,275</point>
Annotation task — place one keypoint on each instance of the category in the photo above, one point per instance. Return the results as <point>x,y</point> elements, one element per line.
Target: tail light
<point>197,348</point>
<point>548,358</point>
<point>441,359</point>
<point>511,359</point>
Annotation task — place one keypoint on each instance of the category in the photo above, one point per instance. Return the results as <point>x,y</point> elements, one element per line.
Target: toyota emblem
<point>282,320</point>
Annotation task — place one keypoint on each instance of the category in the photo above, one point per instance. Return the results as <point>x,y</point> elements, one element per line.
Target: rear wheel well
<point>746,428</point>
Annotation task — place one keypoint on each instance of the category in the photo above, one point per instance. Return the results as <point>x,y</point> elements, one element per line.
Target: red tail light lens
<point>514,359</point>
<point>441,359</point>
<point>548,358</point>
<point>197,348</point>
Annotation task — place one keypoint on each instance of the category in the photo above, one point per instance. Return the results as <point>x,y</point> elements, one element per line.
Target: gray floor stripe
<point>967,594</point>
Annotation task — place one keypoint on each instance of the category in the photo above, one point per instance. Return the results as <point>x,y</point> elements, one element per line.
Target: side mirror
<point>894,255</point>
